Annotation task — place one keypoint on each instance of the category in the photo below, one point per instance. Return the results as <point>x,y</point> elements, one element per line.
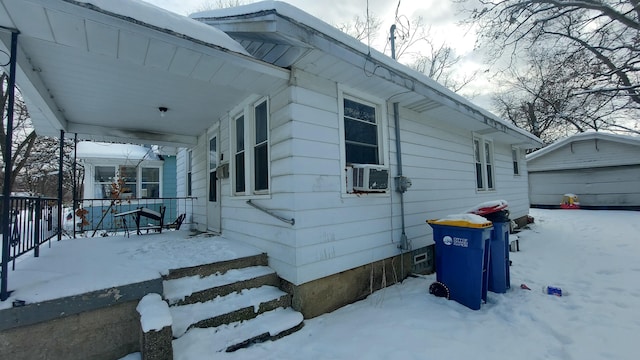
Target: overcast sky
<point>440,15</point>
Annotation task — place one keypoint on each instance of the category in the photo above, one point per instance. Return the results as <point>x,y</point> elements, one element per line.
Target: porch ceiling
<point>104,76</point>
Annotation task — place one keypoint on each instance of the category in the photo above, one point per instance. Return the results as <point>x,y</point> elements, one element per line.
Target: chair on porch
<point>177,223</point>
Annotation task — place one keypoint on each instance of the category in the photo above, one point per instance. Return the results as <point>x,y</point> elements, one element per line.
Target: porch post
<point>60,176</point>
<point>8,167</point>
<point>75,180</point>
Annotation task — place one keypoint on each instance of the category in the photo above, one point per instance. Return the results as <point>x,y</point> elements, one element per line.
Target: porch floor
<point>77,266</point>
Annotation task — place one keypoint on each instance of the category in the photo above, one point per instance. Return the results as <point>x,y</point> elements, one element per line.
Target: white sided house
<point>335,173</point>
<point>299,140</point>
<point>602,169</point>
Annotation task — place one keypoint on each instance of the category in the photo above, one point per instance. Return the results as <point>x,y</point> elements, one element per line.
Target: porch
<point>81,297</point>
<point>77,266</point>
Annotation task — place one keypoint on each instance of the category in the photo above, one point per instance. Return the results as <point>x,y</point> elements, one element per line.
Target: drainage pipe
<point>403,246</point>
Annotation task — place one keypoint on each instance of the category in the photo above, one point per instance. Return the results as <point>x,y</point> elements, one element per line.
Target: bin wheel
<point>439,289</point>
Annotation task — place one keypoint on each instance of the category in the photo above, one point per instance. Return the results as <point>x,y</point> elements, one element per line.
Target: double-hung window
<point>515,155</point>
<point>125,181</point>
<point>484,167</point>
<point>150,183</point>
<point>128,177</point>
<point>104,180</point>
<point>361,132</point>
<point>250,146</point>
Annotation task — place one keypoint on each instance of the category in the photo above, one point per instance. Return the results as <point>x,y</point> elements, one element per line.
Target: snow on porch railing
<point>97,216</point>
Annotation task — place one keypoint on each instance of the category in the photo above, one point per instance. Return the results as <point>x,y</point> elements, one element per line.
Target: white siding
<point>242,222</point>
<point>601,172</point>
<point>335,231</point>
<point>199,188</point>
<point>587,154</point>
<point>603,186</point>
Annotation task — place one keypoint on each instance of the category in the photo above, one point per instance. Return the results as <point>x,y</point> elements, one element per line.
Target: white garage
<point>602,169</point>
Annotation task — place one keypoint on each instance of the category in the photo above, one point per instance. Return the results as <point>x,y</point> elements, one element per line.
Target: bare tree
<point>604,35</point>
<point>542,98</point>
<point>40,174</point>
<point>362,29</point>
<point>218,4</point>
<point>23,134</point>
<point>438,60</point>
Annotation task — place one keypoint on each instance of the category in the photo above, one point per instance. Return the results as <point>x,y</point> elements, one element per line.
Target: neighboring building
<point>295,133</point>
<point>132,175</point>
<point>602,169</point>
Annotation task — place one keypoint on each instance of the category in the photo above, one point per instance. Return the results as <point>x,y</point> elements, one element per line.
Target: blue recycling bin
<point>462,258</point>
<point>499,280</point>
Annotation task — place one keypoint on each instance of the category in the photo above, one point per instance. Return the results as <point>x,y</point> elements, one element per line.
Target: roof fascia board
<point>407,81</point>
<point>108,134</point>
<point>583,137</point>
<point>33,89</point>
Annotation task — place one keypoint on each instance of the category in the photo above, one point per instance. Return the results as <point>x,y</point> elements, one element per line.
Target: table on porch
<point>139,213</point>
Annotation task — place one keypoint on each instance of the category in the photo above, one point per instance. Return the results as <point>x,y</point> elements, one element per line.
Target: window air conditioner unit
<point>370,178</point>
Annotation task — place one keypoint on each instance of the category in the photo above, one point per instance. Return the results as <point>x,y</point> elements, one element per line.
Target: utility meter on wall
<point>402,183</point>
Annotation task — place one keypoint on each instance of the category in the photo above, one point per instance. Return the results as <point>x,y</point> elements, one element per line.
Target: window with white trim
<point>127,181</point>
<point>484,167</point>
<point>250,147</point>
<point>361,132</point>
<point>515,155</point>
<point>104,178</point>
<point>150,183</point>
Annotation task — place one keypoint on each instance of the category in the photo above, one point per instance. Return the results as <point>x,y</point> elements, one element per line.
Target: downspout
<point>401,182</point>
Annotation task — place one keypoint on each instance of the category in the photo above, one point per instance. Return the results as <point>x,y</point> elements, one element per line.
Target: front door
<point>213,196</point>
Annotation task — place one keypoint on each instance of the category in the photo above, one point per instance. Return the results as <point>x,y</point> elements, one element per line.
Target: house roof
<point>629,140</point>
<point>284,35</point>
<point>103,68</point>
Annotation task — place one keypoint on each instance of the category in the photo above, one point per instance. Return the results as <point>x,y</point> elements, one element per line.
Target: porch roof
<point>104,68</point>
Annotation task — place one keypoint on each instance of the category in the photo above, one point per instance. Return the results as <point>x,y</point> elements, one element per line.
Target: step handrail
<point>291,221</point>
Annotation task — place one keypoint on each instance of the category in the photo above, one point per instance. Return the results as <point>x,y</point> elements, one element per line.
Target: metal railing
<point>33,221</point>
<point>97,216</point>
<point>291,221</point>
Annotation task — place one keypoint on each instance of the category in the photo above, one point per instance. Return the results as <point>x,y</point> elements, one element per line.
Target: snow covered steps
<point>232,304</point>
<point>270,325</point>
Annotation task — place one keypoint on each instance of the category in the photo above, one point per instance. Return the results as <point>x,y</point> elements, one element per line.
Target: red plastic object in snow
<point>490,207</point>
<point>570,201</point>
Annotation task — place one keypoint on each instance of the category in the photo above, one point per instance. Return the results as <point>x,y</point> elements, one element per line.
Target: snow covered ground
<point>592,255</point>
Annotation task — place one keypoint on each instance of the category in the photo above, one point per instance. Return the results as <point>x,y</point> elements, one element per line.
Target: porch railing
<point>95,217</point>
<point>33,221</point>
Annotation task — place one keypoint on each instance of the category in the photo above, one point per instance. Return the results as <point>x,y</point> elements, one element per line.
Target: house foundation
<point>332,292</point>
<point>106,333</point>
<point>103,324</point>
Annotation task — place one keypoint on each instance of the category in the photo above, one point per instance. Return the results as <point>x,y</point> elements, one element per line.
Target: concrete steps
<point>228,305</point>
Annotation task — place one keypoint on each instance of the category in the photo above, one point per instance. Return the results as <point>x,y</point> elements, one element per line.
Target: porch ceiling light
<point>163,110</point>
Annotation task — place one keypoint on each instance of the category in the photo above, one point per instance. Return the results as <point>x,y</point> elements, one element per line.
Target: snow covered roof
<point>102,69</point>
<point>284,35</point>
<point>98,150</point>
<point>151,15</point>
<point>594,135</point>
